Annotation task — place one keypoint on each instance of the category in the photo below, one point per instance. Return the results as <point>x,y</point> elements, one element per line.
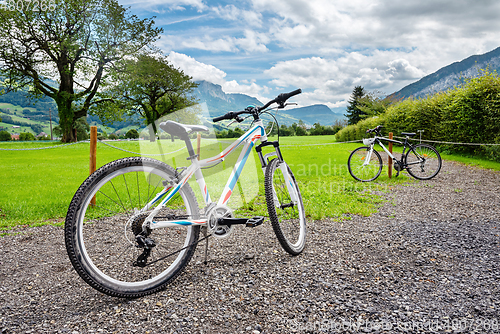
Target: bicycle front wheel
<point>285,207</point>
<point>423,162</point>
<point>364,164</point>
<point>101,237</point>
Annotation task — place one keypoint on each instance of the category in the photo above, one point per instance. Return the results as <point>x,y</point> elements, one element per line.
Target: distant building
<point>14,136</point>
<point>15,126</point>
<point>42,134</point>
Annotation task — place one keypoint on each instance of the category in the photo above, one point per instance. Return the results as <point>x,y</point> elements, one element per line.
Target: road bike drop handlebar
<point>280,99</point>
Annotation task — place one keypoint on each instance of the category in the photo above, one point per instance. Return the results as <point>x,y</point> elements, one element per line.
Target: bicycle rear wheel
<point>100,238</point>
<point>285,207</point>
<point>423,162</point>
<point>364,168</point>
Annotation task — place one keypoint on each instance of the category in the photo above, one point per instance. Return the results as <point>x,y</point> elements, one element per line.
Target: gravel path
<point>431,266</point>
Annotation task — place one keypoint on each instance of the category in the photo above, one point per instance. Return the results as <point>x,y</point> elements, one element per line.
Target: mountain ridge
<point>219,103</point>
<point>451,75</point>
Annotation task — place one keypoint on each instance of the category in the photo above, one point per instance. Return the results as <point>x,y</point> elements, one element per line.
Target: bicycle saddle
<point>409,134</point>
<point>181,130</point>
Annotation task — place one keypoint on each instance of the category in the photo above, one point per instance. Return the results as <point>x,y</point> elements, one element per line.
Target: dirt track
<point>406,268</point>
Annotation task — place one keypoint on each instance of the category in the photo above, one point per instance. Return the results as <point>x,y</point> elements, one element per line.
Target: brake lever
<point>236,119</point>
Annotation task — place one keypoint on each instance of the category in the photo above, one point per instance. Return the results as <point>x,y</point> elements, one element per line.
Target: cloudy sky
<point>326,47</point>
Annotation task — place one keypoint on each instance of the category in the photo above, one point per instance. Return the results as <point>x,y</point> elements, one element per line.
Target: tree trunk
<point>66,118</point>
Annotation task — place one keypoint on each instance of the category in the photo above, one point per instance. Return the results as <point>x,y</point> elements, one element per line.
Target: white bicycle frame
<point>372,143</point>
<point>249,138</point>
<point>376,140</point>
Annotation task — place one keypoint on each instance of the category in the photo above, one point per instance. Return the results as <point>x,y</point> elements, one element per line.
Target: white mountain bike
<point>144,226</point>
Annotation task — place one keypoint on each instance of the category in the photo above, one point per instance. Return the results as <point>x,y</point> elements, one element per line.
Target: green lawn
<point>37,186</point>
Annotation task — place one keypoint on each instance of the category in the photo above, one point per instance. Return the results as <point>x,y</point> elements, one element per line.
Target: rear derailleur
<point>142,240</point>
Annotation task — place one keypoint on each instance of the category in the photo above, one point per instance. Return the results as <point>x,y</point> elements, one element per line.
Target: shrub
<point>5,136</point>
<point>132,134</point>
<point>26,136</point>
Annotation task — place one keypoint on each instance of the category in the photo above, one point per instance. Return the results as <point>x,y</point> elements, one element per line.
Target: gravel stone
<point>429,256</point>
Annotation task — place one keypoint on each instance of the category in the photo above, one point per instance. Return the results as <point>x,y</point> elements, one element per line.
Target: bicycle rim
<point>362,167</point>
<point>101,237</point>
<point>425,164</point>
<point>287,218</point>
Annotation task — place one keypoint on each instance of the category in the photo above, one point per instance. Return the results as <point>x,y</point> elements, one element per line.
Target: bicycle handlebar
<point>280,99</point>
<point>376,129</point>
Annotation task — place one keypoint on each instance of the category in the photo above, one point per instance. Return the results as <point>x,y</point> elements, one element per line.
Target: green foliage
<point>150,86</point>
<point>358,130</point>
<point>113,136</point>
<point>77,42</point>
<point>236,133</point>
<point>354,113</point>
<point>132,134</point>
<point>26,136</point>
<point>5,136</point>
<point>82,129</point>
<point>372,104</point>
<point>466,114</point>
<point>37,128</point>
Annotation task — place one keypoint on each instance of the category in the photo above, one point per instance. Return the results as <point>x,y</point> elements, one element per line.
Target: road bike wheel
<point>287,216</point>
<point>100,238</point>
<point>425,164</point>
<point>362,170</point>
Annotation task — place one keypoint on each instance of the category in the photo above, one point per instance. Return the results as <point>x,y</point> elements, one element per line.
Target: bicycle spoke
<point>118,195</point>
<point>128,192</point>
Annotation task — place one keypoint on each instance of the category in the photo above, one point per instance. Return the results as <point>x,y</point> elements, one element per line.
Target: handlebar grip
<point>229,115</point>
<point>285,96</point>
<point>220,118</point>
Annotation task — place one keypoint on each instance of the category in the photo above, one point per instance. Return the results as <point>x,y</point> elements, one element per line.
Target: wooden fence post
<point>93,154</point>
<point>389,163</point>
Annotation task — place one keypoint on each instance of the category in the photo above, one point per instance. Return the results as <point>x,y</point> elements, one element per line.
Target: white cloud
<point>233,13</point>
<point>253,42</point>
<point>172,4</point>
<point>251,89</point>
<point>330,81</point>
<point>401,69</point>
<point>225,44</point>
<point>197,70</point>
<point>200,71</point>
<point>328,46</point>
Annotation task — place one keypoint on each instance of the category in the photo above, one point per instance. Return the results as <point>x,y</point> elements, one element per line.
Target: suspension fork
<point>283,167</point>
<point>368,155</point>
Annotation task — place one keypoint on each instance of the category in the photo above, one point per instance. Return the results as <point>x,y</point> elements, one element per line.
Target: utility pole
<point>50,120</point>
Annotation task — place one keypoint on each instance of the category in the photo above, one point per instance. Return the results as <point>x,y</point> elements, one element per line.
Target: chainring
<point>397,166</point>
<point>213,216</point>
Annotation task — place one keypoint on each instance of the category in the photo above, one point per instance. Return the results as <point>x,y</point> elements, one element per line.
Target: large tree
<point>354,113</point>
<point>65,50</point>
<point>149,85</point>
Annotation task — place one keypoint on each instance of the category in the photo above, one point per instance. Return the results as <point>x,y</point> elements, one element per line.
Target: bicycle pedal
<point>255,221</point>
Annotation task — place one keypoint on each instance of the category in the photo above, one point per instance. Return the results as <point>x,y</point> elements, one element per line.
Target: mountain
<point>451,75</point>
<point>317,113</point>
<point>218,103</point>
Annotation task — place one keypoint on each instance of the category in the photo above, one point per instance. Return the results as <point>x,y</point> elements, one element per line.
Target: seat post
<point>189,147</point>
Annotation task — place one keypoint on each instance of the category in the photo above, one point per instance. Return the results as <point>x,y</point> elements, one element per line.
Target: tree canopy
<point>149,85</point>
<point>66,50</point>
<point>354,113</point>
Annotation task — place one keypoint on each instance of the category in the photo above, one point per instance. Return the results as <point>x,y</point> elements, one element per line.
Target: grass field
<point>37,185</point>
